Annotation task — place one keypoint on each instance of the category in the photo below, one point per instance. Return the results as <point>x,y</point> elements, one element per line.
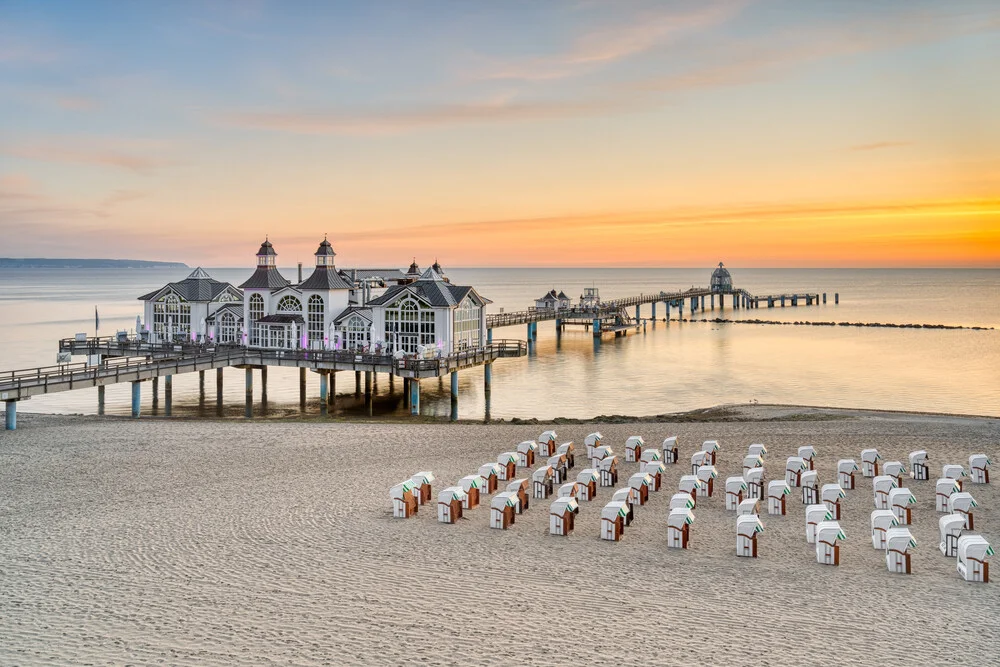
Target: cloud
<point>137,156</point>
<point>879,145</point>
<point>17,186</point>
<point>121,197</point>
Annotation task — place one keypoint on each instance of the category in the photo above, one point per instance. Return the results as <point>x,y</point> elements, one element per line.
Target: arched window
<point>170,310</point>
<point>316,309</point>
<point>356,333</point>
<point>256,313</point>
<point>408,325</point>
<point>226,297</point>
<point>227,328</point>
<point>467,325</point>
<point>289,304</point>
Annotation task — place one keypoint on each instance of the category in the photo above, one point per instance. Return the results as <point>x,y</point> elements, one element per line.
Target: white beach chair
<point>547,443</point>
<point>706,475</point>
<point>678,528</point>
<point>757,450</point>
<point>699,459</point>
<point>711,447</point>
<point>748,527</point>
<point>588,478</point>
<point>490,472</point>
<point>633,448</point>
<point>526,453</point>
<point>601,452</point>
<point>898,542</point>
<point>641,483</point>
<point>655,470</point>
<point>899,502</point>
<point>831,495</point>
<point>869,462</point>
<point>422,486</point>
<point>542,481</point>
<point>808,454</point>
<point>450,501</point>
<point>955,472</point>
<point>814,515</point>
<point>755,482</point>
<point>681,501</point>
<point>845,473</point>
<point>828,537</point>
<point>569,451</point>
<point>508,466</point>
<point>979,468</point>
<point>751,461</point>
<point>950,527</point>
<point>962,503</point>
<point>810,487</point>
<point>503,508</point>
<point>776,492</point>
<point>608,469</point>
<point>918,465</point>
<point>895,469</point>
<point>973,552</point>
<point>650,454</point>
<point>882,485</point>
<point>560,467</point>
<point>748,506</point>
<point>404,504</point>
<point>627,496</point>
<point>735,487</point>
<point>591,442</point>
<point>561,515</point>
<point>613,517</point>
<point>669,448</point>
<point>690,484</point>
<point>943,489</point>
<point>882,520</point>
<point>568,490</point>
<point>793,470</point>
<point>521,487</point>
<point>473,486</point>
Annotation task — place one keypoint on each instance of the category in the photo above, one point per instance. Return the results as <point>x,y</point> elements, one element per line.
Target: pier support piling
<point>824,298</point>
<point>168,393</point>
<point>302,387</point>
<point>454,396</point>
<point>357,383</point>
<point>156,392</point>
<point>10,417</point>
<point>248,410</point>
<point>201,386</point>
<point>713,301</point>
<point>489,335</point>
<point>414,396</point>
<point>597,329</point>
<point>100,400</point>
<point>368,385</point>
<point>836,298</point>
<point>653,316</point>
<point>136,397</point>
<point>488,377</point>
<point>331,391</point>
<point>323,378</point>
<point>406,392</point>
<point>263,384</point>
<point>218,388</point>
<point>637,313</point>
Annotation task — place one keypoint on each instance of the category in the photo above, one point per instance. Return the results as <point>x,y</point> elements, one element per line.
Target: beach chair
<point>560,467</point>
<point>950,527</point>
<point>503,509</point>
<point>831,495</point>
<point>895,469</point>
<point>793,470</point>
<point>828,537</point>
<point>569,451</point>
<point>979,468</point>
<point>751,461</point>
<point>613,521</point>
<point>608,469</point>
<point>627,496</point>
<point>633,448</point>
<point>670,449</point>
<point>973,552</point>
<point>898,542</point>
<point>681,501</point>
<point>955,472</point>
<point>808,454</point>
<point>473,486</point>
<point>526,453</point>
<point>845,473</point>
<point>591,442</point>
<point>942,493</point>
<point>650,454</point>
<point>963,503</point>
<point>882,520</point>
<point>755,482</point>
<point>561,515</point>
<point>757,450</point>
<point>641,482</point>
<point>711,447</point>
<point>678,528</point>
<point>810,487</point>
<point>899,502</point>
<point>601,453</point>
<point>748,527</point>
<point>422,486</point>
<point>587,479</point>
<point>542,481</point>
<point>918,465</point>
<point>690,484</point>
<point>491,473</point>
<point>815,514</point>
<point>706,475</point>
<point>882,485</point>
<point>869,462</point>
<point>735,487</point>
<point>748,506</point>
<point>699,459</point>
<point>776,492</point>
<point>521,488</point>
<point>655,470</point>
<point>450,501</point>
<point>508,466</point>
<point>404,504</point>
<point>547,444</point>
<point>569,490</point>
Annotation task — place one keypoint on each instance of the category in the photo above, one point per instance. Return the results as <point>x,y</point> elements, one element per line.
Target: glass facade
<point>315,321</point>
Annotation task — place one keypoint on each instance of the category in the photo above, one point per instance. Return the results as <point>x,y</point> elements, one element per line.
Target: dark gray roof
<point>281,319</point>
<point>325,248</point>
<point>266,249</point>
<point>234,308</point>
<point>550,296</point>
<point>265,277</point>
<point>324,278</point>
<point>562,295</point>
<point>434,292</point>
<point>363,311</point>
<point>196,287</point>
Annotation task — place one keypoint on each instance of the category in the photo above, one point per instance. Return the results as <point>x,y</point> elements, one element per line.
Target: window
<point>408,325</point>
<point>316,308</point>
<point>226,297</point>
<point>256,313</point>
<point>467,325</point>
<point>173,314</point>
<point>289,304</point>
<point>227,329</point>
<point>356,333</point>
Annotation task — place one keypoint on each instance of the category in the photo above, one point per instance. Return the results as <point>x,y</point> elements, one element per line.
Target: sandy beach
<point>224,542</point>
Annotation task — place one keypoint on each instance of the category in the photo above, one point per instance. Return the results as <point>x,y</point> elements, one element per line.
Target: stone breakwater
<point>887,325</point>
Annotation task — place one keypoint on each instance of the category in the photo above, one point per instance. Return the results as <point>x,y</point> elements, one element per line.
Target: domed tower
<point>414,272</point>
<point>722,282</point>
<point>438,270</point>
<point>325,295</point>
<point>257,290</point>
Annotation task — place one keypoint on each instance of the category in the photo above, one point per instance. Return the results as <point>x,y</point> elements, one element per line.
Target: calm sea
<point>668,368</point>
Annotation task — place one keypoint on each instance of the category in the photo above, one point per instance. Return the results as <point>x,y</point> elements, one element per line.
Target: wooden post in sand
<point>218,389</point>
<point>248,410</point>
<point>302,387</point>
<point>168,393</point>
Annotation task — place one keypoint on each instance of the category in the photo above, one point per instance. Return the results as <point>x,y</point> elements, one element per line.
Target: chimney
<point>300,272</point>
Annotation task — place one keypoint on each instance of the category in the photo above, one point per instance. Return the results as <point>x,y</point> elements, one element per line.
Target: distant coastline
<point>44,263</point>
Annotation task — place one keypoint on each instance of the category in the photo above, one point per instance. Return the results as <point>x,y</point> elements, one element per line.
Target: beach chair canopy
<point>710,446</point>
<point>832,492</point>
<point>735,484</point>
<point>974,546</point>
<point>953,471</point>
<point>777,488</point>
<point>870,455</point>
<point>962,502</point>
<point>689,483</point>
<point>756,449</point>
<point>398,490</point>
<point>472,482</point>
<point>626,495</point>
<point>587,475</point>
<point>547,436</point>
<point>707,472</point>
<point>807,452</point>
<point>451,493</point>
<point>488,469</point>
<point>680,517</point>
<point>527,446</point>
<point>810,478</point>
<point>593,439</point>
<point>669,443</point>
<point>518,484</point>
<point>607,463</point>
<point>639,479</point>
<point>829,531</point>
<point>507,457</point>
<point>614,509</point>
<point>980,461</point>
<point>946,486</point>
<point>894,468</point>
<point>748,525</point>
<point>650,454</point>
<point>884,483</point>
<point>654,467</point>
<point>847,465</point>
<point>817,513</point>
<point>886,519</point>
<point>556,460</point>
<point>681,500</point>
<point>918,457</point>
<point>421,478</point>
<point>899,538</point>
<point>795,463</point>
<point>748,506</point>
<point>634,441</point>
<point>570,489</point>
<point>543,473</point>
<point>504,499</point>
<point>753,461</point>
<point>902,497</point>
<point>603,452</point>
<point>949,524</point>
<point>754,475</point>
<point>564,448</point>
<point>564,504</point>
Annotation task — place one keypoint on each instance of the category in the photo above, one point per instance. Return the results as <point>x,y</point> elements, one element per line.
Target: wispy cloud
<point>134,155</point>
<point>879,145</point>
<point>119,197</point>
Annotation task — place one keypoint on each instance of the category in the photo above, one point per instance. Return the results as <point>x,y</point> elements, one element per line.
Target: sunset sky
<point>505,133</point>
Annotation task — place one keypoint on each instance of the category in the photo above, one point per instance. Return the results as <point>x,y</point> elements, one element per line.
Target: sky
<point>660,133</point>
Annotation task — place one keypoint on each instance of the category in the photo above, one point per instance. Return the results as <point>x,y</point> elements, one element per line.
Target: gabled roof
<point>362,311</point>
<point>550,296</point>
<point>562,295</point>
<point>324,278</point>
<point>435,292</point>
<point>234,308</point>
<point>198,286</point>
<point>284,318</point>
<point>265,277</point>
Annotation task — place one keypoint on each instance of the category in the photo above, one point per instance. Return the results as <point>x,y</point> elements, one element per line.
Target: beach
<point>201,542</point>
